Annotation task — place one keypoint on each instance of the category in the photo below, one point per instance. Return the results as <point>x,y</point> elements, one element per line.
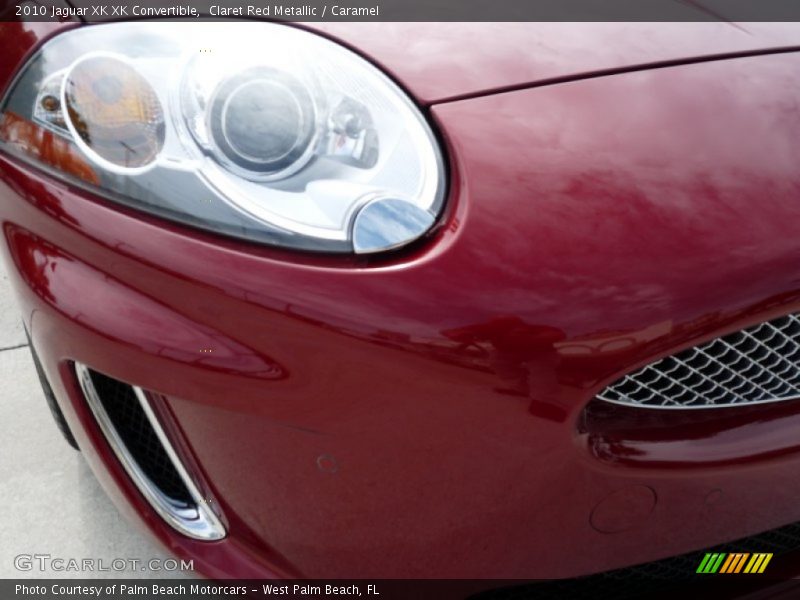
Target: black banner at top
<point>733,11</point>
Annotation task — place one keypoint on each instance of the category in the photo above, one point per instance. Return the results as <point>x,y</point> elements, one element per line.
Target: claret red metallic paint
<point>627,189</point>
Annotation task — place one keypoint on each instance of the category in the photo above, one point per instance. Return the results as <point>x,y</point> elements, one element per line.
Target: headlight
<point>256,130</point>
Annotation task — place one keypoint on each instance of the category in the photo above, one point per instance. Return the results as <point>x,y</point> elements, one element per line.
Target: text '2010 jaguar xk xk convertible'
<point>411,299</point>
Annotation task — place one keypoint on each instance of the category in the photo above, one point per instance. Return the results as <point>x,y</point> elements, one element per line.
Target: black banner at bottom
<point>187,589</point>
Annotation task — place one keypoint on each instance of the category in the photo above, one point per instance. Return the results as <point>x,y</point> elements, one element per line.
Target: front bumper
<point>421,415</point>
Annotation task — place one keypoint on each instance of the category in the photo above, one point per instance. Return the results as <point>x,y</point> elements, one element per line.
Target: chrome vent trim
<point>194,518</point>
<point>756,365</point>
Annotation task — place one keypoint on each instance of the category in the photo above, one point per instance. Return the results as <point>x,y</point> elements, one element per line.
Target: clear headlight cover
<point>257,130</point>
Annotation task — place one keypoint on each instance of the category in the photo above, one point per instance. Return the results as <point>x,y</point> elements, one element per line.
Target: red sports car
<point>418,300</point>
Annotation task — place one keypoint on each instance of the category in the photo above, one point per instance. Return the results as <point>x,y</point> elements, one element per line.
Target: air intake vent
<point>135,435</point>
<point>756,365</point>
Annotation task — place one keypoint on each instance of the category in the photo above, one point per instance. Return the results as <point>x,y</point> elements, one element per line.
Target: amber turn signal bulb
<point>114,112</point>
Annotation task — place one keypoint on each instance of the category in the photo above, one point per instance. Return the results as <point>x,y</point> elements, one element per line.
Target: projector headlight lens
<point>257,130</point>
<point>263,121</point>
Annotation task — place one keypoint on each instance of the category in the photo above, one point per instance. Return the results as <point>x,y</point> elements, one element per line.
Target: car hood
<point>445,61</point>
<point>437,62</point>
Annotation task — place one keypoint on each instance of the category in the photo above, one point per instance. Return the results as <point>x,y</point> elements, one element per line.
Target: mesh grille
<point>759,364</point>
<point>132,425</point>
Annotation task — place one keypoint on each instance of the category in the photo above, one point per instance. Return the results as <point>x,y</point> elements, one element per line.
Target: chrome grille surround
<point>191,516</point>
<point>756,365</point>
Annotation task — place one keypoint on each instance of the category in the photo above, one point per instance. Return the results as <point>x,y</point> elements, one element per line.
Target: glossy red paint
<point>20,40</point>
<point>439,61</point>
<point>422,415</point>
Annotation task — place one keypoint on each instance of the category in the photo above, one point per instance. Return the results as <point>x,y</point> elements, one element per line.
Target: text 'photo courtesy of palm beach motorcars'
<point>373,300</point>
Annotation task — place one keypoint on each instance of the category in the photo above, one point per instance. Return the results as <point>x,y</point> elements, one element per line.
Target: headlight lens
<point>113,113</point>
<point>257,130</point>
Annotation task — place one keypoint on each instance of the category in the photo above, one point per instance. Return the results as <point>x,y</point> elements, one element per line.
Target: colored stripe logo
<point>734,562</point>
